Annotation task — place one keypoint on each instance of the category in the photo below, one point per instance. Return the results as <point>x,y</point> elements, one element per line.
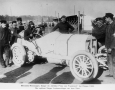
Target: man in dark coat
<point>14,34</point>
<point>4,44</point>
<point>110,42</point>
<point>64,26</point>
<point>28,33</point>
<point>19,25</point>
<point>98,31</point>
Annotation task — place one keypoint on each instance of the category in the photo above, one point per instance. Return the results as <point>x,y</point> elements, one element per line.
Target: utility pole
<point>78,22</point>
<point>74,9</point>
<point>58,17</point>
<point>11,13</point>
<point>47,12</point>
<point>55,13</point>
<point>83,21</point>
<point>42,13</point>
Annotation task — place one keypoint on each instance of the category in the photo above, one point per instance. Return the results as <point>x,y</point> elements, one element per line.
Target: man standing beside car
<point>64,26</point>
<point>110,42</point>
<point>14,34</point>
<point>28,34</point>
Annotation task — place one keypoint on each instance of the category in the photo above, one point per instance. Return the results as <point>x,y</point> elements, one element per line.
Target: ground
<point>46,73</point>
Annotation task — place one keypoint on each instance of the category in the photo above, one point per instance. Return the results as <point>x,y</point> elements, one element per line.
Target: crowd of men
<point>9,32</point>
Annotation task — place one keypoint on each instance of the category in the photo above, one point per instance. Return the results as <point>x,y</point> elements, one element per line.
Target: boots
<point>2,64</point>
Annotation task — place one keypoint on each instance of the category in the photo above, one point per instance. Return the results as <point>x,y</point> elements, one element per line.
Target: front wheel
<point>100,72</point>
<point>84,66</point>
<point>19,54</point>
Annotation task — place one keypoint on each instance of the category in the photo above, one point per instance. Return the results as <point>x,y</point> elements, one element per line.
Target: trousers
<point>111,63</point>
<point>4,55</point>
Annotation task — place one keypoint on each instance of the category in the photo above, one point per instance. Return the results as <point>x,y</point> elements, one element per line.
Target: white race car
<point>78,51</point>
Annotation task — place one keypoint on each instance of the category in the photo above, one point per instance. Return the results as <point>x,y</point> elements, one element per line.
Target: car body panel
<point>46,43</point>
<point>62,46</point>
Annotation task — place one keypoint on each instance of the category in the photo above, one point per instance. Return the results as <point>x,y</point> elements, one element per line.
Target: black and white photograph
<point>57,44</point>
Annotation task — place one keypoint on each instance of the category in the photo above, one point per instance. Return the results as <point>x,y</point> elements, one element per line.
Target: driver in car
<point>64,26</point>
<point>28,32</point>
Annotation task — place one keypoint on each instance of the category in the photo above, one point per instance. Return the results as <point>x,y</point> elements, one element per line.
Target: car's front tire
<point>83,66</point>
<point>19,54</point>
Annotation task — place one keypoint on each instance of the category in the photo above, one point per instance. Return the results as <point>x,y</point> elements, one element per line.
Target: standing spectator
<point>43,26</point>
<point>14,34</point>
<point>19,25</point>
<point>110,43</point>
<point>28,33</point>
<point>10,25</point>
<point>64,26</point>
<point>4,44</point>
<point>99,29</point>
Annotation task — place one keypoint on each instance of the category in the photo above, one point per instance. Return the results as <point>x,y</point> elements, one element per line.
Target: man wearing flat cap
<point>63,26</point>
<point>110,42</point>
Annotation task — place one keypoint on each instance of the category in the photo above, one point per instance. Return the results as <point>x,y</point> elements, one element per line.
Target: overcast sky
<point>92,8</point>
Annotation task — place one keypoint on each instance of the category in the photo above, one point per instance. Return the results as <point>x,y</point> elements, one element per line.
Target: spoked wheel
<point>19,54</point>
<point>83,66</point>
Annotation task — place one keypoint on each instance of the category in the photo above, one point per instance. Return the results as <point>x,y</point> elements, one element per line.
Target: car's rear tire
<point>84,66</point>
<point>19,54</point>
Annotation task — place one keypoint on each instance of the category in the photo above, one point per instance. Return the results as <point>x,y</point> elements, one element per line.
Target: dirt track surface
<point>46,73</point>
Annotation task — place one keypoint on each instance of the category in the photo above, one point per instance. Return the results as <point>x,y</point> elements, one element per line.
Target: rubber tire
<point>95,65</point>
<point>100,72</point>
<point>23,54</point>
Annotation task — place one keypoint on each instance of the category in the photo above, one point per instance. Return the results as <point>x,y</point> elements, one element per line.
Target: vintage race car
<point>78,51</point>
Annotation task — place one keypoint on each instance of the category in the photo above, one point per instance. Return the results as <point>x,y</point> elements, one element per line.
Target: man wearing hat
<point>19,25</point>
<point>4,44</point>
<point>14,34</point>
<point>64,26</point>
<point>110,42</point>
<point>28,32</point>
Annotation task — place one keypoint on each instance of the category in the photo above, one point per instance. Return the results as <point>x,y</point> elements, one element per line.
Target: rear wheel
<point>83,66</point>
<point>19,54</point>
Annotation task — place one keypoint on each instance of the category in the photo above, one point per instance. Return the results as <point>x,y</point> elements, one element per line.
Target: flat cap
<point>109,15</point>
<point>63,16</point>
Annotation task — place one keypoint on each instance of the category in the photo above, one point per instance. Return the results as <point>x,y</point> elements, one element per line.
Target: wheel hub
<point>30,56</point>
<point>83,65</point>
